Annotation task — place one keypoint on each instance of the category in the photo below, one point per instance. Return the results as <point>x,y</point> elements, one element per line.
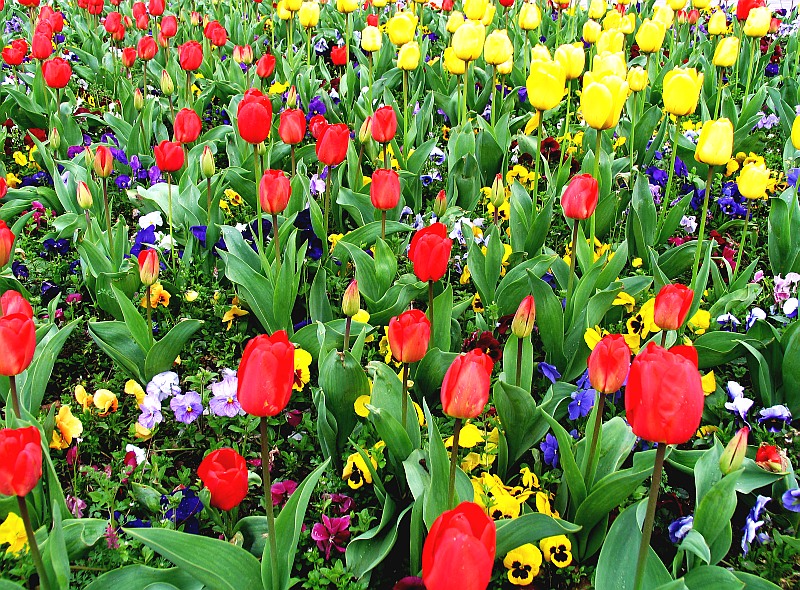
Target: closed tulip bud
<point>650,36</point>
<point>637,79</point>
<point>545,85</point>
<point>384,124</point>
<point>474,9</point>
<point>332,144</point>
<point>488,15</point>
<point>680,16</point>
<point>468,40</point>
<point>409,335</point>
<point>715,145</point>
<point>88,157</point>
<point>455,20</point>
<point>103,162</point>
<point>84,196</point>
<point>506,67</point>
<point>609,363</point>
<point>371,39</point>
<point>20,460</point>
<point>365,131</point>
<point>733,455</point>
<point>753,181</point>
<point>727,52</point>
<point>148,267</point>
<point>580,197</point>
<point>465,388</point>
<point>774,25</point>
<point>540,53</point>
<point>693,16</point>
<point>291,98</point>
<point>408,56</point>
<point>17,342</point>
<point>522,324</point>
<point>498,192</point>
<point>282,10</point>
<point>384,190</point>
<point>602,100</point>
<point>195,18</point>
<point>309,14</point>
<point>597,9</point>
<point>701,4</point>
<point>346,6</point>
<point>430,252</point>
<point>796,133</point>
<point>243,54</point>
<point>672,306</point>
<point>758,21</point>
<point>452,63</point>
<point>167,85</point>
<point>772,459</point>
<point>351,300</point>
<point>529,16</point>
<point>292,126</point>
<point>440,204</point>
<point>572,58</point>
<point>401,28</point>
<point>611,41</point>
<point>6,243</point>
<point>718,23</point>
<point>665,15</point>
<point>138,100</point>
<point>55,139</point>
<point>207,167</point>
<point>498,48</point>
<point>274,191</point>
<point>591,31</point>
<point>676,4</point>
<point>266,374</point>
<point>265,65</point>
<point>682,91</point>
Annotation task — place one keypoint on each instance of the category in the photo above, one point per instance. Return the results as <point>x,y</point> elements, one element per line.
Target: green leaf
<point>114,339</point>
<point>529,528</point>
<point>695,543</point>
<point>387,393</point>
<point>41,368</point>
<point>343,380</point>
<point>141,577</point>
<point>369,549</point>
<point>436,500</point>
<point>443,308</point>
<point>210,561</point>
<point>54,553</point>
<point>164,352</point>
<point>712,517</point>
<point>134,320</point>
<point>753,582</point>
<point>572,475</point>
<point>518,414</point>
<point>550,320</point>
<point>711,576</point>
<point>82,533</point>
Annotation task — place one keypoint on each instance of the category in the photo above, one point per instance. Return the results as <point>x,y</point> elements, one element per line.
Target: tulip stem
<point>208,200</point>
<point>405,112</point>
<point>598,148</point>
<point>539,115</point>
<point>494,94</point>
<point>744,241</point>
<point>144,79</point>
<point>647,528</point>
<point>327,203</point>
<point>149,315</point>
<point>273,545</point>
<point>665,195</point>
<point>12,382</point>
<point>598,425</point>
<point>701,232</point>
<point>383,225</point>
<point>719,92</point>
<point>294,163</point>
<point>371,81</point>
<point>171,240</point>
<point>405,394</point>
<point>347,325</point>
<point>519,361</point>
<point>308,47</point>
<point>44,583</point>
<point>464,112</point>
<point>430,306</point>
<point>750,68</point>
<point>256,176</point>
<point>108,220</point>
<point>572,256</point>
<point>277,241</point>
<point>451,487</point>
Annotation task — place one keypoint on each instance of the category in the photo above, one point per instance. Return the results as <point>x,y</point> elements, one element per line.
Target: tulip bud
<point>591,31</point>
<point>351,300</point>
<point>733,455</point>
<point>55,139</point>
<point>291,98</point>
<point>672,305</point>
<point>522,324</point>
<point>365,132</point>
<point>148,267</point>
<point>609,363</point>
<point>498,194</point>
<point>770,458</point>
<point>637,79</point>
<point>207,167</point>
<point>195,19</point>
<point>167,85</point>
<point>440,204</point>
<point>84,196</point>
<point>262,149</point>
<point>138,100</point>
<point>88,157</point>
<point>103,162</point>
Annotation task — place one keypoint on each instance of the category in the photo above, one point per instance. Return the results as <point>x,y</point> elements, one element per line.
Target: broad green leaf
<point>529,528</point>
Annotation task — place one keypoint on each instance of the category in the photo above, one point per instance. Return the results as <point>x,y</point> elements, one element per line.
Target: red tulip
<point>465,389</point>
<point>143,22</point>
<point>138,9</point>
<point>95,7</point>
<point>609,363</point>
<point>522,324</point>
<point>6,243</point>
<point>17,343</point>
<point>372,20</point>
<point>169,26</point>
<point>3,190</point>
<point>292,127</point>
<point>459,550</point>
<point>332,144</point>
<point>169,156</point>
<point>147,48</point>
<point>664,396</point>
<point>384,190</point>
<point>580,197</point>
<point>693,16</point>
<point>672,306</point>
<point>339,55</point>
<point>265,65</point>
<point>156,7</point>
<point>743,7</point>
<point>409,335</point>
<point>187,126</point>
<point>20,460</point>
<point>771,458</point>
<point>129,57</point>
<point>224,473</point>
<point>681,16</point>
<point>41,47</point>
<point>216,33</point>
<point>448,5</point>
<point>103,161</point>
<point>56,72</point>
<point>506,3</point>
<point>274,191</point>
<point>384,124</point>
<point>317,126</point>
<point>148,267</point>
<point>430,252</point>
<point>190,55</point>
<point>254,116</point>
<point>113,22</point>
<point>12,302</point>
<point>14,54</point>
<point>29,3</point>
<point>266,374</point>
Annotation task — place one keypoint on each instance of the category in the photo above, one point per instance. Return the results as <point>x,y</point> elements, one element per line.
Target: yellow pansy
<point>190,295</point>
<point>83,398</point>
<point>557,550</point>
<point>543,504</point>
<point>356,471</point>
<point>12,180</point>
<point>105,401</point>
<point>361,316</point>
<point>625,300</point>
<point>699,322</point>
<point>234,312</point>
<point>477,304</point>
<point>334,239</point>
<point>20,158</point>
<point>704,431</point>
<point>594,335</point>
<point>709,382</point>
<point>523,564</point>
<point>469,436</point>
<point>133,388</point>
<point>504,506</point>
<point>360,405</point>
<point>302,374</point>
<point>637,263</point>
<point>12,532</point>
<point>278,87</point>
<point>158,295</point>
<point>529,479</point>
<point>67,427</point>
<point>634,342</point>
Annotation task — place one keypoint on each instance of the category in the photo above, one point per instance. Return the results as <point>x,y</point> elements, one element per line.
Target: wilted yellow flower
<point>67,427</point>
<point>83,398</point>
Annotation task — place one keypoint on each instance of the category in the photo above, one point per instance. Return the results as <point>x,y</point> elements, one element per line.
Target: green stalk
<point>750,67</point>
<point>647,529</point>
<point>277,241</point>
<point>257,177</point>
<point>12,381</point>
<point>598,148</point>
<point>719,92</point>
<point>108,220</point>
<point>405,112</point>
<point>327,204</point>
<point>539,114</point>
<point>430,305</point>
<point>451,486</point>
<point>44,582</point>
<point>598,424</point>
<point>273,545</point>
<point>665,197</point>
<point>572,257</point>
<point>702,230</point>
<point>149,315</point>
<point>347,326</point>
<point>519,361</point>
<point>494,94</point>
<point>171,240</point>
<point>742,244</point>
<point>405,394</point>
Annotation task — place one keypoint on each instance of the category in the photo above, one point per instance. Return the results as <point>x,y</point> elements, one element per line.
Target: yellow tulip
<point>401,28</point>
<point>701,4</point>
<point>346,6</point>
<point>757,23</point>
<point>612,20</point>
<point>610,64</point>
<point>488,15</point>
<point>309,14</point>
<point>498,47</point>
<point>371,39</point>
<point>474,9</point>
<point>650,36</point>
<point>294,5</point>
<point>602,100</point>
<point>637,78</point>
<point>591,31</point>
<point>283,10</point>
<point>676,4</point>
<point>505,67</point>
<point>379,3</point>
<point>540,53</point>
<point>455,20</point>
<point>572,59</point>
<point>628,23</point>
<point>727,52</point>
<point>545,84</point>
<point>529,16</point>
<point>597,9</point>
<point>665,15</point>
<point>452,63</point>
<point>611,41</point>
<point>715,145</point>
<point>408,56</point>
<point>682,91</point>
<point>718,23</point>
<point>796,133</point>
<point>468,40</point>
<point>753,181</point>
